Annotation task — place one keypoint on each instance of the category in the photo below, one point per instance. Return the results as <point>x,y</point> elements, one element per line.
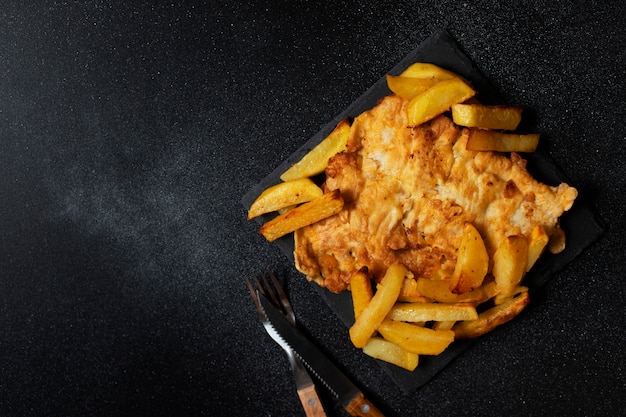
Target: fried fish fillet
<point>408,192</point>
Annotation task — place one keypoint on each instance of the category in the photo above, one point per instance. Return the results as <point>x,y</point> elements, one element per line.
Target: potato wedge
<point>427,70</point>
<point>316,161</point>
<point>472,262</point>
<point>303,215</point>
<point>419,312</point>
<point>487,117</point>
<point>509,263</point>
<point>439,291</point>
<point>361,291</point>
<point>376,311</point>
<point>492,318</point>
<point>284,194</point>
<point>491,140</point>
<point>502,298</point>
<point>537,243</point>
<point>379,348</point>
<point>438,99</point>
<point>416,339</point>
<point>409,87</point>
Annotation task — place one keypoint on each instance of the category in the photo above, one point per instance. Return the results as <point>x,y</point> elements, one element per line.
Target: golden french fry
<point>537,243</point>
<point>419,312</point>
<point>303,215</point>
<point>444,325</point>
<point>409,87</point>
<point>416,339</point>
<point>409,292</point>
<point>374,313</point>
<point>283,195</point>
<point>316,161</point>
<point>487,117</point>
<point>491,140</point>
<point>502,298</point>
<point>438,99</point>
<point>427,70</point>
<point>556,244</point>
<point>439,291</point>
<point>492,318</point>
<point>436,290</point>
<point>472,262</point>
<point>509,263</point>
<point>361,291</point>
<point>379,348</point>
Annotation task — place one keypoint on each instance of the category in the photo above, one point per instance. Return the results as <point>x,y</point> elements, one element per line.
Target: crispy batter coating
<point>408,192</point>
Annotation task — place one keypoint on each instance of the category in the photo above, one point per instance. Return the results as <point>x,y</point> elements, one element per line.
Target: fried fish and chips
<point>430,221</point>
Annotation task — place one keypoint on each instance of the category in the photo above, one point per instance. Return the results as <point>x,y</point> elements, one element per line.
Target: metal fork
<point>272,290</point>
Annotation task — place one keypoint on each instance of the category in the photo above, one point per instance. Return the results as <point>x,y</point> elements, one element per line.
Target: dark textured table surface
<point>129,133</point>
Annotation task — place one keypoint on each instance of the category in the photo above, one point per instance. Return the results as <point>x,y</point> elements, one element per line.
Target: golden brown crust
<point>408,192</point>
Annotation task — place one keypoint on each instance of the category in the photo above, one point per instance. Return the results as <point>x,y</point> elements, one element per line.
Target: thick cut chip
<point>409,87</point>
<point>492,318</point>
<point>361,291</point>
<point>308,213</point>
<point>379,348</point>
<point>416,339</point>
<point>419,312</point>
<point>536,245</point>
<point>509,263</point>
<point>439,291</point>
<point>316,161</point>
<point>426,70</point>
<point>438,99</point>
<point>375,312</point>
<point>472,262</point>
<point>444,325</point>
<point>409,292</point>
<point>491,140</point>
<point>283,195</point>
<point>502,298</point>
<point>487,117</point>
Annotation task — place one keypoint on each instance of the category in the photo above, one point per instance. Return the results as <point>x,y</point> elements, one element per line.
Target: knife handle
<point>311,402</point>
<point>362,407</point>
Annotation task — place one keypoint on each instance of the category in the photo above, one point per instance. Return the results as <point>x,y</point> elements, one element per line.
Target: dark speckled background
<point>129,133</point>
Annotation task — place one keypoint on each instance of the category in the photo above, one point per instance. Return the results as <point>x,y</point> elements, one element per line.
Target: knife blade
<point>349,395</point>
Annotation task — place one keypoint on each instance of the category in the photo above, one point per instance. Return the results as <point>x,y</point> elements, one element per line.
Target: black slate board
<point>581,224</point>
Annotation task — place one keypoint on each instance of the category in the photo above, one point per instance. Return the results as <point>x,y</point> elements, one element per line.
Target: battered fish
<point>409,190</point>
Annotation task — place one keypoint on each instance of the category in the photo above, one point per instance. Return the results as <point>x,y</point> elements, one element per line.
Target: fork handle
<point>311,402</point>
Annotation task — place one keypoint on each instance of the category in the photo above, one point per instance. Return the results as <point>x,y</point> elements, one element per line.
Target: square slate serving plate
<point>581,224</point>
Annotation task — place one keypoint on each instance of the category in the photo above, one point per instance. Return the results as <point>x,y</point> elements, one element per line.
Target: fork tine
<point>284,300</point>
<point>255,297</point>
<point>272,293</point>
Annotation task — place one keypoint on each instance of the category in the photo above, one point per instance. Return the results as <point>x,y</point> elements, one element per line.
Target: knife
<point>348,394</point>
